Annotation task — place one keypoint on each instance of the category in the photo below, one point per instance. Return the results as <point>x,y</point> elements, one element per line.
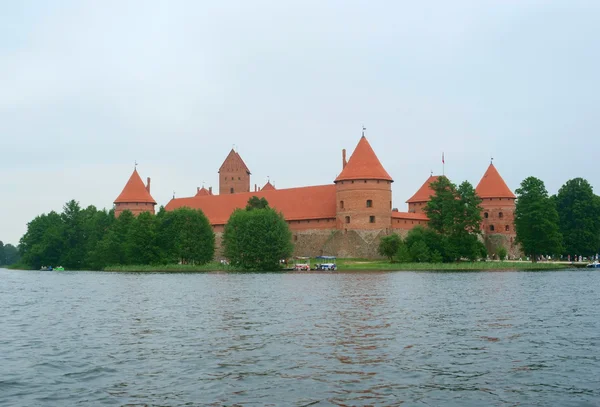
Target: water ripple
<point>343,339</point>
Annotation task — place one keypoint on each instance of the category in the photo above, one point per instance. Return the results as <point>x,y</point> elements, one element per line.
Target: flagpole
<point>443,166</point>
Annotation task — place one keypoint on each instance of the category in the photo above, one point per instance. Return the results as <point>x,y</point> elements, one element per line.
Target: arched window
<point>491,228</point>
<point>347,219</point>
<point>485,215</point>
<point>371,219</point>
<point>500,215</point>
<point>341,204</point>
<point>507,228</point>
<point>231,190</point>
<point>369,203</point>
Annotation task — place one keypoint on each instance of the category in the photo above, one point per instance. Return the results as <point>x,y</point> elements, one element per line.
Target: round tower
<point>135,197</point>
<point>498,204</point>
<point>363,191</point>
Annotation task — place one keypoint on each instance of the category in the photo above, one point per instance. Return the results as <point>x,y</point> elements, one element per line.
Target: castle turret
<point>234,175</point>
<point>363,191</point>
<point>135,197</point>
<point>417,202</point>
<point>498,203</point>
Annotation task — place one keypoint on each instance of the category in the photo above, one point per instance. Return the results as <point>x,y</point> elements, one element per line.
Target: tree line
<point>9,254</point>
<point>565,224</point>
<point>255,238</point>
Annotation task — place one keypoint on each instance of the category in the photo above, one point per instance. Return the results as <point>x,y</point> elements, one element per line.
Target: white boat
<point>594,265</point>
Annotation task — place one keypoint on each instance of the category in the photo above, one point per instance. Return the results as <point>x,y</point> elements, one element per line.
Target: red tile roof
<point>234,162</point>
<point>424,193</point>
<point>315,202</point>
<point>363,164</point>
<point>203,191</point>
<point>135,191</point>
<point>268,187</point>
<point>493,186</point>
<point>409,215</point>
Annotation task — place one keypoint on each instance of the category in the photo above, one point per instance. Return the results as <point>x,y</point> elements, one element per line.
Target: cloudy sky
<point>89,87</point>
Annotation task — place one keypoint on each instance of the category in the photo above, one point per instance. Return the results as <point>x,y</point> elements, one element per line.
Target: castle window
<point>341,204</point>
<point>347,219</point>
<point>295,238</point>
<point>491,228</point>
<point>500,215</point>
<point>353,182</point>
<point>507,228</point>
<point>231,190</point>
<point>239,178</point>
<point>371,219</point>
<point>485,215</point>
<point>369,203</point>
<point>365,181</point>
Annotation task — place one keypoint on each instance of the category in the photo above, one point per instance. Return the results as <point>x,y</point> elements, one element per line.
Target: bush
<point>502,253</point>
<point>388,246</point>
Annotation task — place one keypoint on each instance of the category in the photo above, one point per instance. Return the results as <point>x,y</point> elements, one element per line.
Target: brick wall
<point>353,210</point>
<point>135,207</point>
<point>498,213</point>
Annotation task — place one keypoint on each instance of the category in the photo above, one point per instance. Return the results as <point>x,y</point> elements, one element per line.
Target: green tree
<point>420,252</point>
<point>186,236</point>
<point>142,239</point>
<point>257,239</point>
<point>455,214</point>
<point>2,254</point>
<point>43,242</point>
<point>403,254</point>
<point>536,220</point>
<point>256,203</point>
<point>389,245</point>
<point>114,248</point>
<point>579,217</point>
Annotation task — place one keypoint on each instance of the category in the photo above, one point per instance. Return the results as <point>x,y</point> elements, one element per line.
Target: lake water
<point>339,339</point>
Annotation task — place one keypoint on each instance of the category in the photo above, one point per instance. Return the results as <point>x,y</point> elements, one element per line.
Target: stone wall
<point>329,242</point>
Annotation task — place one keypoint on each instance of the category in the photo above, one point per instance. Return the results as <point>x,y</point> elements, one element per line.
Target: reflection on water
<point>332,339</point>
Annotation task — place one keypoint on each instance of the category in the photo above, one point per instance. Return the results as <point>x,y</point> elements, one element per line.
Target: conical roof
<point>135,191</point>
<point>268,187</point>
<point>424,193</point>
<point>363,164</point>
<point>234,162</point>
<point>202,192</point>
<point>493,186</point>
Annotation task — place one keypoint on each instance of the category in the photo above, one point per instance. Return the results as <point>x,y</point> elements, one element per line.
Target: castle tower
<point>417,202</point>
<point>135,197</point>
<point>498,204</point>
<point>363,191</point>
<point>234,175</point>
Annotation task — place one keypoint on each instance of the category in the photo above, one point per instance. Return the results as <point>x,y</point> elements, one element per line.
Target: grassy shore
<point>361,265</point>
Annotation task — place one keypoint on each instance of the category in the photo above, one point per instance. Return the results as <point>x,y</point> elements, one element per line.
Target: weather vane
<point>363,130</point>
<point>135,163</point>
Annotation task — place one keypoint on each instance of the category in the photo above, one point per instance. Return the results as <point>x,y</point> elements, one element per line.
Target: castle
<point>346,218</point>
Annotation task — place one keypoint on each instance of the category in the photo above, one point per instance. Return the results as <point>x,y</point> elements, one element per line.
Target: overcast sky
<point>89,87</point>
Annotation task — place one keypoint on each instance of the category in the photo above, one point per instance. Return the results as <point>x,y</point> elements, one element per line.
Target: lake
<point>337,339</point>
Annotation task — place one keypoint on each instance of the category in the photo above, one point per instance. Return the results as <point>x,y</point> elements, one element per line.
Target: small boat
<point>594,265</point>
<point>328,265</point>
<point>59,268</point>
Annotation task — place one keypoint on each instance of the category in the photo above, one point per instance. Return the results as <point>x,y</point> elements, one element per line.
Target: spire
<point>424,193</point>
<point>234,162</point>
<point>268,187</point>
<point>135,191</point>
<point>363,164</point>
<point>492,185</point>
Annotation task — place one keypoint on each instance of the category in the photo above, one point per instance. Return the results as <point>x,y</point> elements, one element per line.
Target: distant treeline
<point>91,239</point>
<point>9,254</point>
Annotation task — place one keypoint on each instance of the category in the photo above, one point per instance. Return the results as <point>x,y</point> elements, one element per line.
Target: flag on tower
<point>443,162</point>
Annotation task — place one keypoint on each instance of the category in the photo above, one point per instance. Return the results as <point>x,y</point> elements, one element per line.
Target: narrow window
<point>341,204</point>
<point>507,228</point>
<point>485,215</point>
<point>371,219</point>
<point>365,181</point>
<point>500,215</point>
<point>295,238</point>
<point>491,228</point>
<point>347,219</point>
<point>369,203</point>
<point>239,178</point>
<point>231,190</point>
